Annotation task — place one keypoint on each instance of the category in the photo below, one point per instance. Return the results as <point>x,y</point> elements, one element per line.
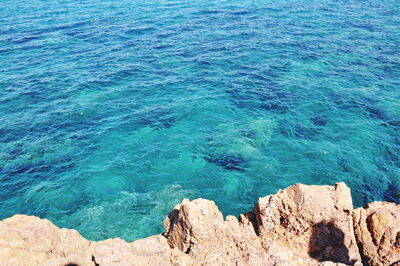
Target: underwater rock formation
<point>300,225</point>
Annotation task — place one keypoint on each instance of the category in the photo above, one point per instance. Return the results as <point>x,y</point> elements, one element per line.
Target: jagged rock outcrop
<point>28,240</point>
<point>377,229</point>
<point>197,228</point>
<point>313,223</point>
<point>300,225</point>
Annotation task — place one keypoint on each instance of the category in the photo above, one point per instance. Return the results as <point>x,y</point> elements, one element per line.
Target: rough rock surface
<point>300,225</point>
<point>28,240</point>
<point>313,222</point>
<point>197,228</point>
<point>377,230</point>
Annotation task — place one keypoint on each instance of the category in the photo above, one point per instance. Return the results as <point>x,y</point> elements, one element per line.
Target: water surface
<point>112,112</point>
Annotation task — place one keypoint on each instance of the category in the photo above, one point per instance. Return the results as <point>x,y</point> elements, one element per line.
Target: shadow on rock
<point>327,244</point>
<point>172,218</point>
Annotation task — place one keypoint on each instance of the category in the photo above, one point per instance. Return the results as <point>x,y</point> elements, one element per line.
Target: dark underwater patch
<point>9,134</point>
<point>305,132</point>
<point>14,153</point>
<point>298,130</point>
<point>367,190</point>
<point>264,93</point>
<point>209,12</point>
<point>277,107</point>
<point>344,164</point>
<point>140,31</point>
<point>42,167</point>
<point>248,133</point>
<point>142,206</point>
<point>27,39</point>
<point>368,106</point>
<point>392,193</point>
<point>158,119</point>
<point>319,119</point>
<point>241,12</point>
<point>392,152</point>
<point>373,193</point>
<point>229,161</point>
<point>375,112</point>
<point>394,123</point>
<point>276,101</point>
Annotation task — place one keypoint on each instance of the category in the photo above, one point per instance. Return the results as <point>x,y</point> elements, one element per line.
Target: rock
<point>313,223</point>
<point>377,230</point>
<point>155,250</point>
<point>300,225</point>
<point>112,252</point>
<point>198,229</point>
<point>28,240</point>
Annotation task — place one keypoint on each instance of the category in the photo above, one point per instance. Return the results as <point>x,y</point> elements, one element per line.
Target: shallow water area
<point>112,112</point>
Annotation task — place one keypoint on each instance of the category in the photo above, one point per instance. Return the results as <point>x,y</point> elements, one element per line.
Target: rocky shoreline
<point>300,225</point>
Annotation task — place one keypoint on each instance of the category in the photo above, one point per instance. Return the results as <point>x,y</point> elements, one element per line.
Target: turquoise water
<point>112,112</point>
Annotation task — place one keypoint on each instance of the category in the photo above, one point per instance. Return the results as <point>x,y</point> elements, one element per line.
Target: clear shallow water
<point>113,112</point>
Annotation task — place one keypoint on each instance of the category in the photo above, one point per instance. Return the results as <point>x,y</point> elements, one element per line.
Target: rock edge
<point>300,225</point>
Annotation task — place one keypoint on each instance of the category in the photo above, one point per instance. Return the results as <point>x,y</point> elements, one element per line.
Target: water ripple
<point>113,112</point>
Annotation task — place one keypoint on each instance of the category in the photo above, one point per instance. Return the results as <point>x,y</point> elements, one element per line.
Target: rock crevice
<point>300,225</point>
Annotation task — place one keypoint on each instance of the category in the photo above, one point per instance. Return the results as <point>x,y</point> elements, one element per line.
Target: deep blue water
<point>112,112</point>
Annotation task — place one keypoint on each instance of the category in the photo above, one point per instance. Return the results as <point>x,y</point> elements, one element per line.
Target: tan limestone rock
<point>313,223</point>
<point>377,230</point>
<point>28,240</point>
<point>198,229</point>
<point>300,225</point>
<point>112,252</point>
<point>155,250</point>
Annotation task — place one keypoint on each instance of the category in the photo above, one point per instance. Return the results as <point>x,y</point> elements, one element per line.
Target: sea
<point>113,112</point>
